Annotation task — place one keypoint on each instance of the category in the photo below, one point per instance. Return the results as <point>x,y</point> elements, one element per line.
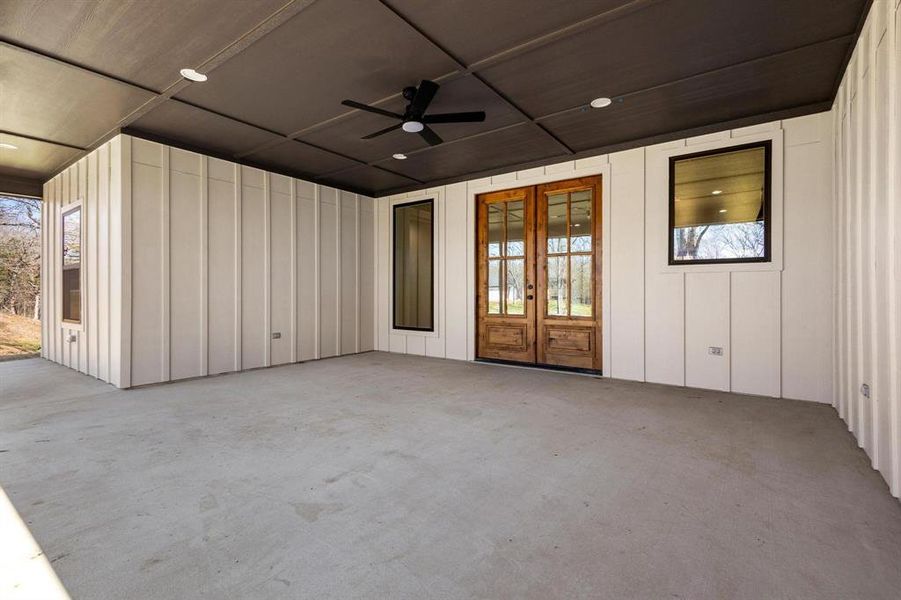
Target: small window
<point>72,265</point>
<point>413,266</point>
<point>720,206</point>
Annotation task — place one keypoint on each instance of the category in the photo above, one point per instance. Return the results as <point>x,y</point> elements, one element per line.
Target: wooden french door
<point>506,275</point>
<point>539,267</point>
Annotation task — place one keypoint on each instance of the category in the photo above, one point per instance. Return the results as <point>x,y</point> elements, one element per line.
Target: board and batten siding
<point>867,241</point>
<point>99,345</point>
<point>774,320</point>
<point>226,256</point>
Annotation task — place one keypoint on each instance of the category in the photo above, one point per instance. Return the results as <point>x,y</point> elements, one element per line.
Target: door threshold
<point>540,367</point>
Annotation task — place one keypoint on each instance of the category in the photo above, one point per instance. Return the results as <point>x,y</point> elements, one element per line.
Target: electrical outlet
<point>715,350</point>
<point>865,390</point>
<point>277,335</point>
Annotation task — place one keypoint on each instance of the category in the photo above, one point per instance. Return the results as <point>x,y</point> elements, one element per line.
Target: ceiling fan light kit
<point>414,119</point>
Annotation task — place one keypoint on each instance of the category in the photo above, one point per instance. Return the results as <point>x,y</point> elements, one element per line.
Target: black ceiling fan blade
<point>423,97</point>
<point>458,117</point>
<point>430,136</point>
<point>372,109</point>
<point>381,132</point>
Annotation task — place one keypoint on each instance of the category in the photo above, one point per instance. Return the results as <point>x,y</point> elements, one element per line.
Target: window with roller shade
<point>719,206</point>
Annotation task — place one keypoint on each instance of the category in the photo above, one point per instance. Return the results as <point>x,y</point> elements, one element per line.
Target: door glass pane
<point>494,287</point>
<point>495,228</point>
<point>556,223</point>
<point>556,285</point>
<point>580,222</point>
<point>516,286</point>
<point>515,243</point>
<point>580,270</point>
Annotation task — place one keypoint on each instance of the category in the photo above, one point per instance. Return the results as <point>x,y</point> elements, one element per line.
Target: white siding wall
<point>96,182</point>
<point>774,321</point>
<point>867,242</point>
<point>223,256</point>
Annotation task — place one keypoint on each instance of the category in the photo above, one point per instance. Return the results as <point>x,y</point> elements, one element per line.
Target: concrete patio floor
<point>388,476</point>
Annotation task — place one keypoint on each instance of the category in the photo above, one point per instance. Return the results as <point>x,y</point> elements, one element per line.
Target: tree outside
<point>725,241</point>
<point>20,276</point>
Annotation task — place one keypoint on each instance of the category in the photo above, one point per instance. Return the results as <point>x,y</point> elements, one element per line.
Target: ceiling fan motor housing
<point>414,119</point>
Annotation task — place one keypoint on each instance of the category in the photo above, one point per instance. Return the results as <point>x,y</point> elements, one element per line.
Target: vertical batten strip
<point>860,266</point>
<point>43,270</point>
<point>317,229</point>
<point>873,243</point>
<point>843,233</point>
<point>87,299</point>
<point>55,271</point>
<point>838,379</point>
<point>357,263</point>
<point>376,265</point>
<point>165,275</point>
<point>239,191</point>
<point>293,276</point>
<point>47,262</point>
<point>338,245</point>
<point>125,170</point>
<point>65,195</point>
<point>103,267</point>
<point>470,272</point>
<point>267,268</point>
<point>436,346</point>
<point>95,276</point>
<point>50,316</point>
<point>204,265</point>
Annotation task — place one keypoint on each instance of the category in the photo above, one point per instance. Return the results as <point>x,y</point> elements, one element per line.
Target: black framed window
<point>71,260</point>
<point>719,205</point>
<point>413,271</point>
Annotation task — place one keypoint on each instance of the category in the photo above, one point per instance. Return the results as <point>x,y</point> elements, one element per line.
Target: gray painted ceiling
<point>75,73</point>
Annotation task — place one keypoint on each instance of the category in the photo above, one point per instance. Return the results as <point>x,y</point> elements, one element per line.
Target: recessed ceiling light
<point>412,126</point>
<point>193,75</point>
<point>399,156</point>
<point>723,210</point>
<point>6,146</point>
<point>716,192</point>
<point>601,102</point>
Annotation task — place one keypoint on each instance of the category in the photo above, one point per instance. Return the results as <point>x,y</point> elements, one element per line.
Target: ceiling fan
<point>414,119</point>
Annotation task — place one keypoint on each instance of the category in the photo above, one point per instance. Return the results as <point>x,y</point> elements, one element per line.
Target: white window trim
<point>658,169</point>
<point>69,325</point>
<point>435,197</point>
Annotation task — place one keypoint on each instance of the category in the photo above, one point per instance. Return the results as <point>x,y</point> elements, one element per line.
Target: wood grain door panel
<point>505,270</point>
<point>539,301</point>
<point>568,241</point>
